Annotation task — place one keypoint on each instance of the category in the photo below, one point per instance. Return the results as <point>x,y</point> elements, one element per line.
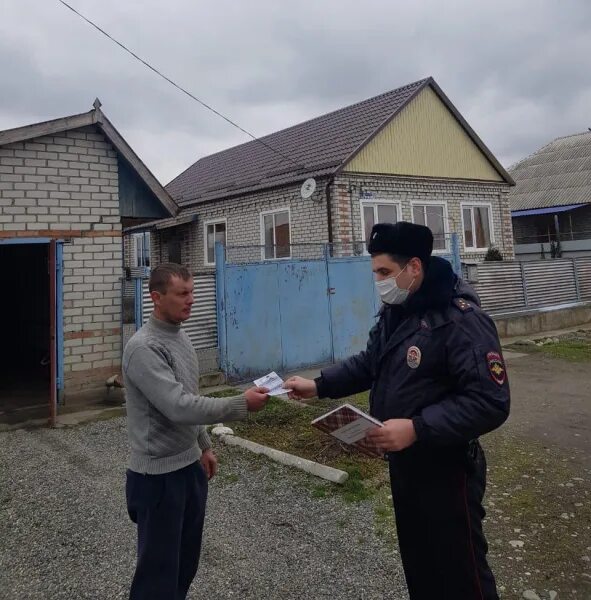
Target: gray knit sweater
<point>165,414</point>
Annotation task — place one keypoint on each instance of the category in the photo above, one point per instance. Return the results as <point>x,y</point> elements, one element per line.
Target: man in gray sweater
<point>171,458</point>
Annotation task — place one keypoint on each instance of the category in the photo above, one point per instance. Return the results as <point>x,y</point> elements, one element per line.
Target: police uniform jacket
<point>436,359</point>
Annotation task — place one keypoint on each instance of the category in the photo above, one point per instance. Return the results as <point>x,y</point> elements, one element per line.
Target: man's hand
<point>395,435</point>
<point>209,462</point>
<point>301,388</point>
<point>256,398</point>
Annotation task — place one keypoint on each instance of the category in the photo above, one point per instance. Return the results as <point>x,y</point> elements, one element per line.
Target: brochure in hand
<point>350,425</point>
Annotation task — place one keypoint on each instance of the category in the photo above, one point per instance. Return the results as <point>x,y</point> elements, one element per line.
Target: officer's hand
<point>301,388</point>
<point>256,398</point>
<point>395,435</point>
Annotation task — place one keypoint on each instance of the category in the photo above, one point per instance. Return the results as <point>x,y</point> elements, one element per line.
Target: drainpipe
<point>351,188</point>
<point>328,208</point>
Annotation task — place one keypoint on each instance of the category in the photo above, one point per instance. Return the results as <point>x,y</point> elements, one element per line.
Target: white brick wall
<point>66,187</point>
<point>309,221</point>
<point>407,191</point>
<point>243,215</point>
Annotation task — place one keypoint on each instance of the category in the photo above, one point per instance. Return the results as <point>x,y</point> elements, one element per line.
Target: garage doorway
<point>28,353</point>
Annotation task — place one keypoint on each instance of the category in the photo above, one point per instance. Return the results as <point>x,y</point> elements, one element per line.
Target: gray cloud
<point>518,71</point>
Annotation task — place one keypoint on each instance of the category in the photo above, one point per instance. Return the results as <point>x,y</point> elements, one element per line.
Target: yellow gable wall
<point>424,140</point>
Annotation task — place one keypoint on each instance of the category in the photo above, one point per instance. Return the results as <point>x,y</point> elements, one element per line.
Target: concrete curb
<point>290,460</point>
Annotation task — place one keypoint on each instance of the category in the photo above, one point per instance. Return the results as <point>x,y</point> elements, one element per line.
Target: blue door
<point>353,304</point>
<point>305,316</point>
<point>253,344</point>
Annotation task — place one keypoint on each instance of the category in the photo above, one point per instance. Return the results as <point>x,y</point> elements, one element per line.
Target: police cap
<point>402,239</point>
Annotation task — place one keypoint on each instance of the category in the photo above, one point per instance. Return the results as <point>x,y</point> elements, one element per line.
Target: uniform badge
<point>413,357</point>
<point>462,304</point>
<point>496,367</point>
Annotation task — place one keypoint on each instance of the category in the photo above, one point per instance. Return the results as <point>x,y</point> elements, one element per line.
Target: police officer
<point>437,377</point>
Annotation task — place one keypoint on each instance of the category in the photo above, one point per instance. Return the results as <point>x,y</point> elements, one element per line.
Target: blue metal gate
<point>282,315</point>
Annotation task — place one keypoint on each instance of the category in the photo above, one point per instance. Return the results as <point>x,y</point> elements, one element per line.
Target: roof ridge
<point>564,137</point>
<point>417,84</point>
<point>539,150</point>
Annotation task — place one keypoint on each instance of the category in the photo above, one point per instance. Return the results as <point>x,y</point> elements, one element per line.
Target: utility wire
<point>204,104</point>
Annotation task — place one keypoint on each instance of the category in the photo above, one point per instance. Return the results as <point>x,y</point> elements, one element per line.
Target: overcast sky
<point>519,71</point>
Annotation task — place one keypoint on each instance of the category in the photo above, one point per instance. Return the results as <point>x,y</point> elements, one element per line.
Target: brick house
<point>67,188</point>
<point>404,155</point>
<point>551,200</point>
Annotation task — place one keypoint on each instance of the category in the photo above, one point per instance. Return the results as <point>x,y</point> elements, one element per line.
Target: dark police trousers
<point>437,494</point>
<point>169,510</point>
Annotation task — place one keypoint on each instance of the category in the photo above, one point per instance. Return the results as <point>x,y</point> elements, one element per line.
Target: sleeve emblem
<point>496,367</point>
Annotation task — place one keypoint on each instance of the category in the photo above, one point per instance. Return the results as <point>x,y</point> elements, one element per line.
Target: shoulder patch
<point>496,367</point>
<point>463,305</point>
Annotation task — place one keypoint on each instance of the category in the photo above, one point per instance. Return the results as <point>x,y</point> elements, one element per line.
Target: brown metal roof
<point>559,174</point>
<point>316,147</point>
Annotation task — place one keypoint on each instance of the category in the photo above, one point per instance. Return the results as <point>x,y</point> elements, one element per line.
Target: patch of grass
<point>355,489</point>
<point>571,348</point>
<point>385,525</point>
<point>319,492</point>
<point>225,393</point>
<point>578,351</point>
<point>287,426</point>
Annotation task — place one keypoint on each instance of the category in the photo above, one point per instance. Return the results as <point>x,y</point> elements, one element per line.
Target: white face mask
<point>389,291</point>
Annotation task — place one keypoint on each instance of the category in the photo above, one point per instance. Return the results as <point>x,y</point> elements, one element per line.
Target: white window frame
<point>474,249</point>
<point>445,219</point>
<point>223,220</point>
<point>265,213</point>
<point>134,252</point>
<point>363,202</point>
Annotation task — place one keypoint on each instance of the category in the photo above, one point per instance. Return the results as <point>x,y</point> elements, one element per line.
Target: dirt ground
<point>551,401</point>
<point>538,499</point>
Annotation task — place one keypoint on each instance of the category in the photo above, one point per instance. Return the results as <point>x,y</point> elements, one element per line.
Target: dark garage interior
<point>24,352</point>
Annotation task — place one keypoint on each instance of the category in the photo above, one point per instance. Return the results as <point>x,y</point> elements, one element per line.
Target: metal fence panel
<point>128,310</point>
<point>201,326</point>
<point>500,286</point>
<point>550,282</point>
<point>511,285</point>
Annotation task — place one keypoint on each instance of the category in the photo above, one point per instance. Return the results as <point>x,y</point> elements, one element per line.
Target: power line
<point>204,104</point>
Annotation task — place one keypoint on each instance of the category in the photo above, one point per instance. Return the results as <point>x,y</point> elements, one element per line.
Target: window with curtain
<point>214,232</point>
<point>433,217</point>
<point>276,235</point>
<point>376,212</point>
<point>477,232</point>
<point>141,249</point>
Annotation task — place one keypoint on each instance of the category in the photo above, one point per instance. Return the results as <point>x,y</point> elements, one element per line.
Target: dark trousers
<point>169,510</point>
<point>437,495</point>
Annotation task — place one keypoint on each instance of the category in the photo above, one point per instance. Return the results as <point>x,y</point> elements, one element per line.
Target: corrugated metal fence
<point>512,286</point>
<point>202,325</point>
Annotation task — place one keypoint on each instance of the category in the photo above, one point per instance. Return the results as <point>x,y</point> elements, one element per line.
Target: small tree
<point>493,254</point>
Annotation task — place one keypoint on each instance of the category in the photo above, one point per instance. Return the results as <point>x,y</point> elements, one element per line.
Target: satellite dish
<point>308,188</point>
